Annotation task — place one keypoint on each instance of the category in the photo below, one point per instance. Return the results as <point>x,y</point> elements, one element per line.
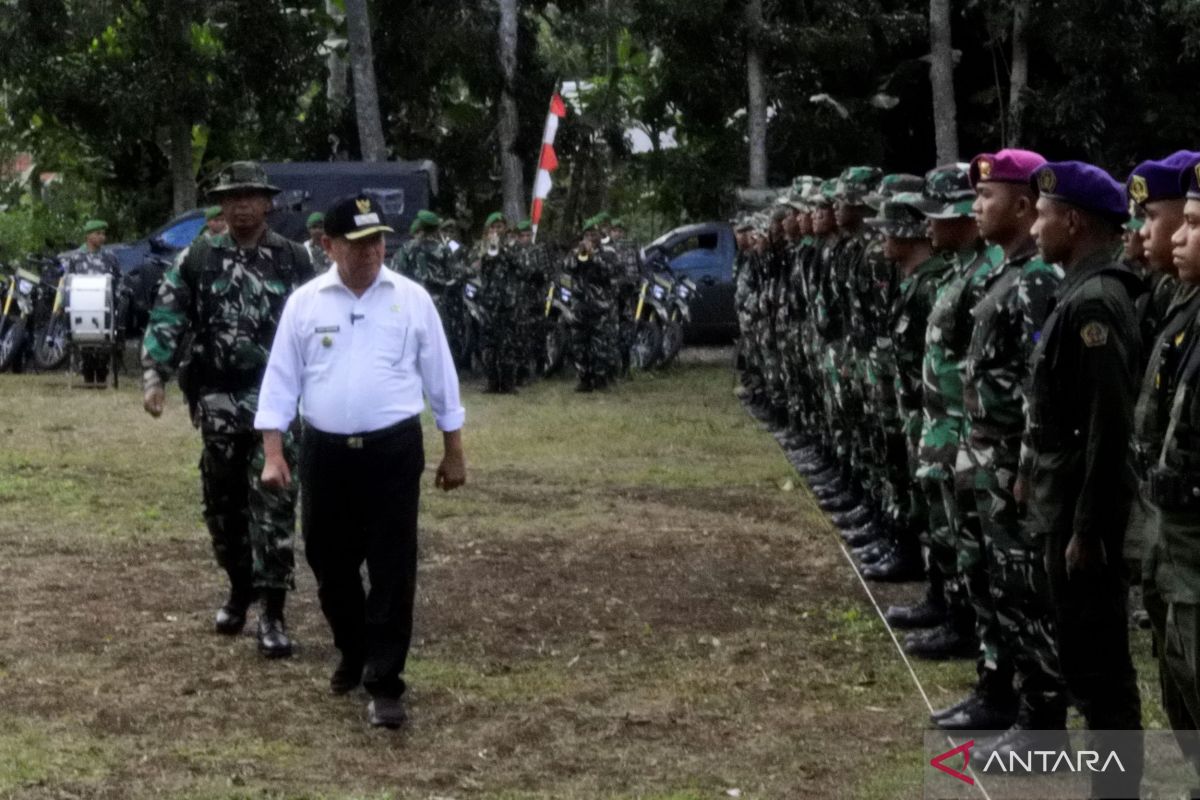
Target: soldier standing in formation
<point>316,253</point>
<point>228,295</point>
<point>92,259</point>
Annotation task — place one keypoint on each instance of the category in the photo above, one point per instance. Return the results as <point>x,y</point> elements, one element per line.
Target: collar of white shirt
<point>331,278</point>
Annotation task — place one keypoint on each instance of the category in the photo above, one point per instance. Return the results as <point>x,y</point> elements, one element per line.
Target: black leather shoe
<point>347,676</point>
<point>273,641</point>
<point>879,550</point>
<point>925,614</point>
<point>897,568</point>
<point>942,643</point>
<point>977,713</point>
<point>1022,741</point>
<point>838,502</point>
<point>854,518</point>
<point>231,617</point>
<point>386,712</point>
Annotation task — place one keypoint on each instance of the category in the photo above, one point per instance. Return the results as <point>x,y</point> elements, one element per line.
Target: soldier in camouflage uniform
<point>770,299</point>
<point>316,253</point>
<point>629,261</point>
<point>951,500</point>
<point>946,609</point>
<point>501,273</point>
<point>228,296</point>
<point>907,244</point>
<point>92,259</point>
<point>1004,572</point>
<point>1169,589</point>
<point>801,394</point>
<point>746,283</point>
<point>594,343</point>
<point>888,497</point>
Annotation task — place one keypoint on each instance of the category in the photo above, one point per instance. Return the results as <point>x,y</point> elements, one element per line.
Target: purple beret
<point>1189,179</point>
<point>1082,185</point>
<point>1151,181</point>
<point>1007,166</point>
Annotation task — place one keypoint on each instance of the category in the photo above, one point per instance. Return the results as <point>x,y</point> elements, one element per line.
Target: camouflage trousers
<point>594,347</point>
<point>500,349</point>
<point>893,492</point>
<point>772,366</point>
<point>949,511</point>
<point>834,401</point>
<point>252,527</point>
<point>748,352</point>
<point>1022,638</point>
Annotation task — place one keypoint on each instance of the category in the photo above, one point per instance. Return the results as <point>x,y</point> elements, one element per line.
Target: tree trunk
<point>1019,78</point>
<point>511,170</point>
<point>366,95</point>
<point>337,82</point>
<point>179,156</point>
<point>941,77</point>
<point>756,107</point>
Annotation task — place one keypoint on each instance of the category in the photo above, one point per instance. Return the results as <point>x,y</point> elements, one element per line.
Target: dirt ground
<point>632,598</point>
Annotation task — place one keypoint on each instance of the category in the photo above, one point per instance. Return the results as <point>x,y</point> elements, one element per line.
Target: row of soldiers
<point>493,297</point>
<point>953,361</point>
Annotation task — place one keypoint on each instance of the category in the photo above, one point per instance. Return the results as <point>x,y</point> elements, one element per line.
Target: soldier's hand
<point>153,401</point>
<point>276,474</point>
<point>451,473</point>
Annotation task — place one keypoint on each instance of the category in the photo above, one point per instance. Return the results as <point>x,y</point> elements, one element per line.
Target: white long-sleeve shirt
<point>359,364</point>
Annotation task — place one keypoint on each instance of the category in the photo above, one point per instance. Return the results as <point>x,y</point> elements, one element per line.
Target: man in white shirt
<point>359,348</point>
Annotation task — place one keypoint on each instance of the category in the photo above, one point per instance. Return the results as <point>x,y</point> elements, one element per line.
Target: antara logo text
<point>1028,762</point>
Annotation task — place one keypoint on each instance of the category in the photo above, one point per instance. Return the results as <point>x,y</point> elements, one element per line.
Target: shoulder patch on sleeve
<point>1094,334</point>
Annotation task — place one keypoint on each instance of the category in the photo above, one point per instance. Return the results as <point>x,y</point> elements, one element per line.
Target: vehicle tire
<point>647,345</point>
<point>12,343</point>
<point>50,348</point>
<point>672,343</point>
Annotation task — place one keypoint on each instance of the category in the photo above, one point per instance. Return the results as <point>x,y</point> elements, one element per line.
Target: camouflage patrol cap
<point>242,176</point>
<point>893,184</point>
<point>823,195</point>
<point>948,193</point>
<point>743,223</point>
<point>855,183</point>
<point>900,217</point>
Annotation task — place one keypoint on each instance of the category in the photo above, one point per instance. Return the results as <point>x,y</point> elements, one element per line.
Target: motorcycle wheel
<point>672,343</point>
<point>12,342</point>
<point>647,345</point>
<point>50,345</point>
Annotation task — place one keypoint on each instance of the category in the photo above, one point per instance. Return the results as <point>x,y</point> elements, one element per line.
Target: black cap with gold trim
<point>355,217</point>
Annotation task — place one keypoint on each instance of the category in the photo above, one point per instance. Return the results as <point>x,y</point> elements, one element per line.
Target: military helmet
<point>893,184</point>
<point>855,183</point>
<point>242,176</point>
<point>948,193</point>
<point>901,217</point>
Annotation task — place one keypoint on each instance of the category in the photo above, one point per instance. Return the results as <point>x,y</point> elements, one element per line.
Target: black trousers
<point>359,503</point>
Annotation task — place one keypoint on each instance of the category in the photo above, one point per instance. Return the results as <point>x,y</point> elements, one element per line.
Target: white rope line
<point>899,648</point>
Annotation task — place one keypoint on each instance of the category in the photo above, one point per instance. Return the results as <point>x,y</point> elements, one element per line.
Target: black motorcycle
<point>24,297</point>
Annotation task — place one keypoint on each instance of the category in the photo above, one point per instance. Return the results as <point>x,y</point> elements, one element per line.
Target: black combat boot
<point>901,565</point>
<point>273,641</point>
<point>943,643</point>
<point>843,501</point>
<point>929,612</point>
<point>854,518</point>
<point>986,708</point>
<point>231,617</point>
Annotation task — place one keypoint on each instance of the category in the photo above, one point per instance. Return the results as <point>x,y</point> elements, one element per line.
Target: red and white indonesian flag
<point>547,162</point>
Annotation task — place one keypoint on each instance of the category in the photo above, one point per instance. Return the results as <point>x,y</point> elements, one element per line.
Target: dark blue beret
<point>1156,180</point>
<point>1084,186</point>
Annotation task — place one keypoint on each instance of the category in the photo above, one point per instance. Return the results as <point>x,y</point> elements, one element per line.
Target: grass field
<point>633,597</point>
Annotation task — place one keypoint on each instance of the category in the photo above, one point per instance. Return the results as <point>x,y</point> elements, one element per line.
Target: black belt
<point>357,441</point>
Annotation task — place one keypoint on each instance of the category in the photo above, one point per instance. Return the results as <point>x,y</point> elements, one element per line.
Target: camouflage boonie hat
<point>894,184</point>
<point>823,195</point>
<point>900,217</point>
<point>242,176</point>
<point>803,187</point>
<point>855,183</point>
<point>948,193</point>
<point>743,223</point>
